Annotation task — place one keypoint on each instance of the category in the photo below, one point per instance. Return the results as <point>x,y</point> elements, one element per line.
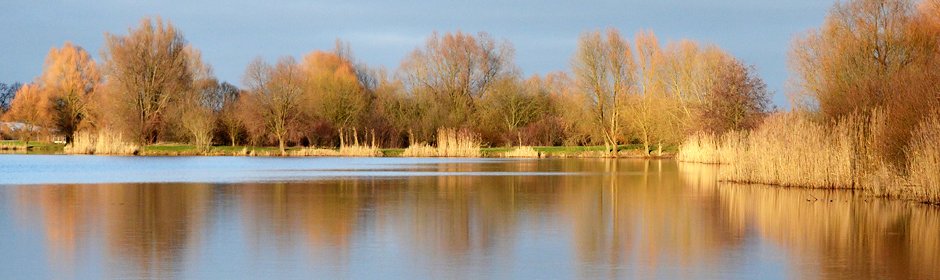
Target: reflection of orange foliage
<point>65,219</point>
<point>151,225</point>
<point>645,215</point>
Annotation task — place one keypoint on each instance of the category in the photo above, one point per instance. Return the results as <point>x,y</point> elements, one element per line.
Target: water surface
<point>64,217</point>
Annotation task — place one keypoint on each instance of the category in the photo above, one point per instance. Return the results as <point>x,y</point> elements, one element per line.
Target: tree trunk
<point>342,140</point>
<point>355,137</point>
<point>280,145</point>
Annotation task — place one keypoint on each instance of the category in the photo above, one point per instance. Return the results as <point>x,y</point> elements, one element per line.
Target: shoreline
<point>625,151</point>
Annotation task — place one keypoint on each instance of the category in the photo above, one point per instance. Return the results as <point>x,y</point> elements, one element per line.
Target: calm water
<point>64,217</point>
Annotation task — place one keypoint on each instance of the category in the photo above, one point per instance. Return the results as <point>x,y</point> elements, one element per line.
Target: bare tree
<point>334,93</point>
<point>149,69</point>
<point>7,93</point>
<point>198,107</point>
<point>455,70</point>
<point>605,71</point>
<point>70,77</point>
<point>738,101</point>
<point>276,95</point>
<point>30,111</point>
<point>228,96</point>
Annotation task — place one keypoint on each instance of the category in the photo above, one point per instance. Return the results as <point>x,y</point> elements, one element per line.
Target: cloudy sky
<point>544,33</point>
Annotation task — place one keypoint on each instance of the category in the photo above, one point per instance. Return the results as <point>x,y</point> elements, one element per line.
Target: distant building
<point>11,128</point>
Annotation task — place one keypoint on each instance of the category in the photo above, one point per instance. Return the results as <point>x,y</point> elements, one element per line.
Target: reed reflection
<point>833,234</point>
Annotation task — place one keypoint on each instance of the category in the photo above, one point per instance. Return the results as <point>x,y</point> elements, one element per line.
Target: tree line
<point>152,86</point>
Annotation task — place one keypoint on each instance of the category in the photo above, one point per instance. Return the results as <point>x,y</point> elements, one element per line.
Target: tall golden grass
<point>450,143</point>
<point>344,151</point>
<point>924,159</point>
<point>522,152</point>
<point>791,150</point>
<point>103,142</point>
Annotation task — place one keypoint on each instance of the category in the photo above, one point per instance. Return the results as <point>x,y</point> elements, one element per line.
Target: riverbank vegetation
<point>459,94</point>
<point>868,109</point>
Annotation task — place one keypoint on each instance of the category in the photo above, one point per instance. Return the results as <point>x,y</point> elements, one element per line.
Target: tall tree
<point>276,94</point>
<point>198,107</point>
<point>70,77</point>
<point>229,120</point>
<point>7,93</point>
<point>738,101</point>
<point>335,93</point>
<point>149,70</point>
<point>605,71</point>
<point>454,70</point>
<point>30,110</point>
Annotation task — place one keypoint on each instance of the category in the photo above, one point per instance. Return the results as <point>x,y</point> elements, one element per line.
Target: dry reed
<point>522,152</point>
<point>924,159</point>
<point>450,143</point>
<point>104,142</point>
<point>790,150</point>
<point>345,151</point>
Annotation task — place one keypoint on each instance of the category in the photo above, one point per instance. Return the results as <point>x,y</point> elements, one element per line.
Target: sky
<point>381,33</point>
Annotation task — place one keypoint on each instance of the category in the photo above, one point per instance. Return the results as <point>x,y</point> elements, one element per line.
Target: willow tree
<point>605,71</point>
<point>148,70</point>
<point>198,107</point>
<point>30,108</point>
<point>69,78</point>
<point>453,71</point>
<point>275,96</point>
<point>335,93</point>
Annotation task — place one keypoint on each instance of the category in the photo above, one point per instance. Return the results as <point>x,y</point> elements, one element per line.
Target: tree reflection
<point>600,218</point>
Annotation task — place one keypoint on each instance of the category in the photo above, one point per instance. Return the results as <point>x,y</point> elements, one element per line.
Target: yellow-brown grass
<point>790,150</point>
<point>522,152</point>
<point>450,143</point>
<point>4,146</point>
<point>104,142</point>
<point>345,151</point>
<point>924,159</point>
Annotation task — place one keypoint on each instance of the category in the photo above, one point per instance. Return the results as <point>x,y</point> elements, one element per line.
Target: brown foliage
<point>334,92</point>
<point>737,101</point>
<point>70,78</point>
<point>274,99</point>
<point>605,71</point>
<point>148,70</point>
<point>870,54</point>
<point>452,72</point>
<point>30,107</point>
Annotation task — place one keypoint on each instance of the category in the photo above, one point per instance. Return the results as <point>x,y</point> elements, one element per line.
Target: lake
<point>94,217</point>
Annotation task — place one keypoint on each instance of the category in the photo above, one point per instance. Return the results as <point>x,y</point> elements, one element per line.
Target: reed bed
<point>924,160</point>
<point>450,143</point>
<point>104,142</point>
<point>345,151</point>
<point>790,150</point>
<point>522,152</point>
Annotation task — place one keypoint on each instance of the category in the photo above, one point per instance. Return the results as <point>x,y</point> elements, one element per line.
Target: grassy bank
<point>175,149</point>
<point>789,150</point>
<point>17,146</point>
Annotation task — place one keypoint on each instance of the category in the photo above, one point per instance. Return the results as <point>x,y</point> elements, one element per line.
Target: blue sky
<point>544,33</point>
